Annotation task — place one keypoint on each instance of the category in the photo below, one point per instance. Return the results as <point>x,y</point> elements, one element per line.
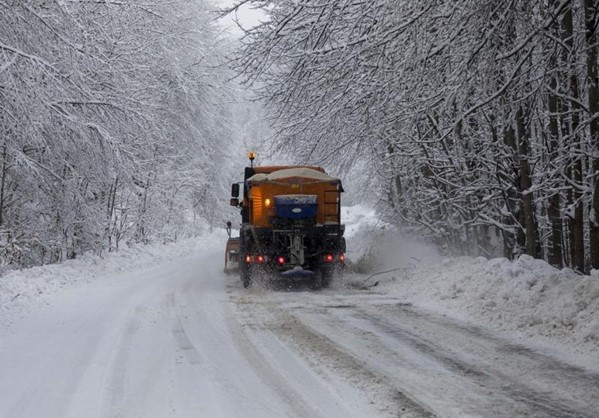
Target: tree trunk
<point>575,168</point>
<point>554,201</point>
<point>576,218</point>
<point>590,11</point>
<point>527,197</point>
<point>512,240</point>
<point>112,222</point>
<point>3,184</point>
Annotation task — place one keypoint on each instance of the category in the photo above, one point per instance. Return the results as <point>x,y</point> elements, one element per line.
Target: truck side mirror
<point>234,201</point>
<point>235,190</point>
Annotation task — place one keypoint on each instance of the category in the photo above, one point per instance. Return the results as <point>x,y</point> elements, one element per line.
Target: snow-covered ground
<point>159,331</point>
<point>24,289</point>
<point>527,296</point>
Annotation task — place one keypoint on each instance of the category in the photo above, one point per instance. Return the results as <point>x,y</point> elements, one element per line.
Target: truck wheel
<point>246,279</point>
<point>317,281</point>
<point>246,282</point>
<point>327,276</point>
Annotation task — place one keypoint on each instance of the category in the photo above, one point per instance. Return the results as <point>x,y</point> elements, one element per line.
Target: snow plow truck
<point>290,225</point>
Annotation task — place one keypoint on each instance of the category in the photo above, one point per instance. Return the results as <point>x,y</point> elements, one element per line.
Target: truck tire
<point>317,281</point>
<point>246,281</point>
<point>327,276</point>
<point>246,278</point>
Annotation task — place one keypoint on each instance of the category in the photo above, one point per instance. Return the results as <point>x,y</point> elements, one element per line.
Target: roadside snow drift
<point>20,289</point>
<point>527,295</point>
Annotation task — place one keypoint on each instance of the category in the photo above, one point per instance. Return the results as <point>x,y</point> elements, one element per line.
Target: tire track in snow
<point>540,378</point>
<point>475,385</point>
<point>133,368</point>
<point>115,389</point>
<point>212,341</point>
<point>527,401</point>
<point>551,368</point>
<point>323,353</point>
<point>181,338</point>
<point>273,377</point>
<point>477,360</point>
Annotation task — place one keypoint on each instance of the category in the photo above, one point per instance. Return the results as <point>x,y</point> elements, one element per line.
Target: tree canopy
<point>479,120</point>
<point>109,116</point>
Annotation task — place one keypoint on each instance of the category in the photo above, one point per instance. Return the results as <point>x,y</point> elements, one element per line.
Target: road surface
<point>184,340</point>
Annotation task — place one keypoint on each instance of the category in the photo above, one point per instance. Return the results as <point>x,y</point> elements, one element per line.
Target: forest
<point>109,116</point>
<point>474,124</point>
<point>477,122</point>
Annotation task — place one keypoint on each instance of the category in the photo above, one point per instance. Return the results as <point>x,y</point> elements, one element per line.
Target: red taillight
<point>281,260</point>
<point>259,259</point>
<point>342,258</point>
<point>329,258</point>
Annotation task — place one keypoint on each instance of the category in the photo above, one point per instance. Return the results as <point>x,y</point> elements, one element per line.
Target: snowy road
<point>183,340</point>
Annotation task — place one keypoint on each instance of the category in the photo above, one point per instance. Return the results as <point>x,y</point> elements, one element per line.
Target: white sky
<point>247,16</point>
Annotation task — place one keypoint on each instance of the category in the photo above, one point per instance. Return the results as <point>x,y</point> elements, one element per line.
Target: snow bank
<point>526,296</point>
<point>18,289</point>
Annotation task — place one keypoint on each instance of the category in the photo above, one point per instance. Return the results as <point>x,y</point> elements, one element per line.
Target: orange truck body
<point>262,198</point>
